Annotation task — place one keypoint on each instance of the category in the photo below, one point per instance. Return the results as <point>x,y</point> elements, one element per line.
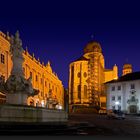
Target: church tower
<point>87,76</point>
<point>127,68</point>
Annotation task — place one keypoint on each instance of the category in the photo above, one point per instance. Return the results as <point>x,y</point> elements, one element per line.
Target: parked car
<point>115,114</point>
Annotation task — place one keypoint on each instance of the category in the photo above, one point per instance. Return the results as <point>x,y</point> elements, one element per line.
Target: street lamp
<point>117,103</point>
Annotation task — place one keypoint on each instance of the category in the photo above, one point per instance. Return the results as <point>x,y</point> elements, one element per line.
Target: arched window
<point>85,91</point>
<point>79,91</point>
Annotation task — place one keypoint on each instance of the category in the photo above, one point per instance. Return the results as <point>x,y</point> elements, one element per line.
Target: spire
<point>26,49</point>
<point>92,37</point>
<point>48,63</point>
<point>7,35</point>
<point>33,55</point>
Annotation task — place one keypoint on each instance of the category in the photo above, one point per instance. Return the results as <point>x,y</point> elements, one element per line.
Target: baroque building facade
<point>43,77</point>
<point>87,76</point>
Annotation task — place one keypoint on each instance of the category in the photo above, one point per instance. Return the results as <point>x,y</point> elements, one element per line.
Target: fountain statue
<point>18,89</point>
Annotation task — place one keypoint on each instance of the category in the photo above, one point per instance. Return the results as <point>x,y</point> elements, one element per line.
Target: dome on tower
<point>127,66</point>
<point>93,46</point>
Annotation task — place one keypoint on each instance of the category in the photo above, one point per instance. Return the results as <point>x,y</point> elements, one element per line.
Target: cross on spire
<point>92,36</point>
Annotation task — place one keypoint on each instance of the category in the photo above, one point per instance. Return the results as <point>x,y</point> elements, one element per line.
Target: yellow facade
<point>87,76</point>
<point>43,78</point>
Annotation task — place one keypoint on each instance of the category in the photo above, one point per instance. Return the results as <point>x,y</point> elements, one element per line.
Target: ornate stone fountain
<point>18,89</point>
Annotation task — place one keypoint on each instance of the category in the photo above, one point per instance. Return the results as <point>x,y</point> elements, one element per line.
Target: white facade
<point>124,95</point>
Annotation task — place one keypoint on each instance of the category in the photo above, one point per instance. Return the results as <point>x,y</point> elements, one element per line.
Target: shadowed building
<point>87,76</point>
<point>43,78</point>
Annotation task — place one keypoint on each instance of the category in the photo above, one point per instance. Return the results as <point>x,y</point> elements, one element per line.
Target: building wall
<point>43,78</point>
<point>99,71</point>
<point>125,93</point>
<point>78,78</point>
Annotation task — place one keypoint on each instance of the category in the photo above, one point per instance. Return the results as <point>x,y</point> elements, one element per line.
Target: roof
<point>107,70</point>
<point>82,58</point>
<point>93,46</point>
<point>127,77</point>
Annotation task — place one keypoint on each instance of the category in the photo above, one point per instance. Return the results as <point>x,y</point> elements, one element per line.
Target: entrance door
<point>133,109</point>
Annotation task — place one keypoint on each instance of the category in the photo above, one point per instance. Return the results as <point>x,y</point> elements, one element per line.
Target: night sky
<point>58,30</point>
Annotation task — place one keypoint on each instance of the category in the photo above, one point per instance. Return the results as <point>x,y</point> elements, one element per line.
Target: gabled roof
<point>127,77</point>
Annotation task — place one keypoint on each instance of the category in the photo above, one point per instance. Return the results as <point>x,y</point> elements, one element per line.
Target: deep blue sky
<point>58,30</point>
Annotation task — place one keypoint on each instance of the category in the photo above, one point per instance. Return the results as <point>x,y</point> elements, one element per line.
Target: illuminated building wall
<point>87,76</point>
<point>43,78</point>
<point>124,93</point>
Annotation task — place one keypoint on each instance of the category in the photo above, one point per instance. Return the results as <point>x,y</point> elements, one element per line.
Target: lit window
<point>113,98</point>
<point>2,59</point>
<point>85,91</point>
<point>132,86</point>
<point>36,78</point>
<point>79,91</point>
<point>119,87</point>
<point>113,88</point>
<point>31,74</point>
<point>45,84</point>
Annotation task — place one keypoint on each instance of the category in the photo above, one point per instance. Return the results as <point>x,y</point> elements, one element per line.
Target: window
<point>113,98</point>
<point>132,86</point>
<point>85,74</point>
<point>79,91</point>
<point>45,84</point>
<point>103,104</point>
<point>113,88</point>
<point>36,78</point>
<point>133,99</point>
<point>85,91</point>
<point>41,93</point>
<point>113,107</point>
<point>2,59</point>
<point>119,107</point>
<point>31,74</point>
<point>119,97</point>
<point>119,87</point>
<point>79,74</point>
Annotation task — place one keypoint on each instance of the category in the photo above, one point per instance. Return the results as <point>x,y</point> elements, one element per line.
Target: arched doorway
<point>133,109</point>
